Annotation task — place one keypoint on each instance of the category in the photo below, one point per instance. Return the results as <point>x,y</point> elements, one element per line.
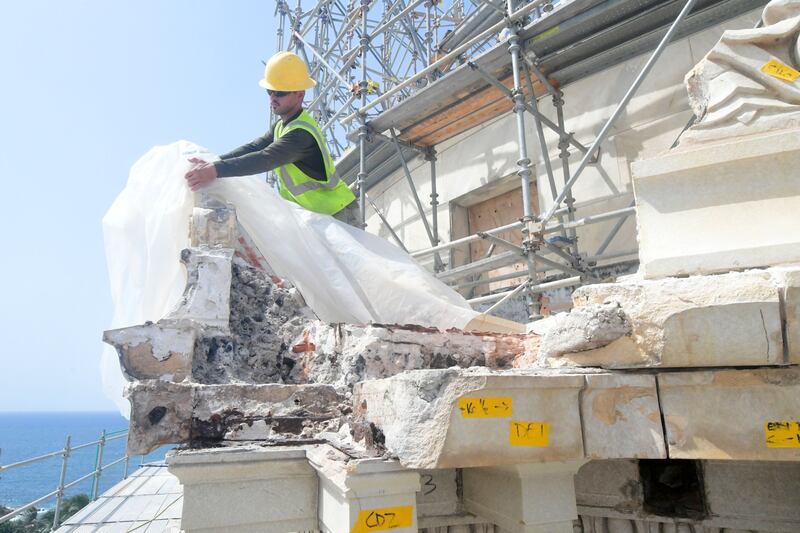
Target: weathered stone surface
<point>788,280</point>
<point>730,91</point>
<point>293,412</point>
<point>165,350</point>
<point>438,493</point>
<point>344,355</point>
<point>719,207</point>
<point>611,484</point>
<point>730,319</point>
<point>420,417</point>
<point>265,320</point>
<point>206,298</point>
<point>424,425</point>
<point>213,226</point>
<point>161,413</point>
<point>350,490</point>
<point>753,495</point>
<point>723,414</point>
<point>174,413</point>
<point>524,498</point>
<point>246,489</point>
<point>621,417</point>
<point>154,351</point>
<point>584,328</point>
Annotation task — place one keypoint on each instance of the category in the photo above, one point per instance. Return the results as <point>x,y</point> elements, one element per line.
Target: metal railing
<point>63,485</point>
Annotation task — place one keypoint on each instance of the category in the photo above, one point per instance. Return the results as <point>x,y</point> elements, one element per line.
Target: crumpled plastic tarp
<point>344,274</point>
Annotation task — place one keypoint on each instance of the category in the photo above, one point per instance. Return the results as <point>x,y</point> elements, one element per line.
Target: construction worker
<point>295,148</point>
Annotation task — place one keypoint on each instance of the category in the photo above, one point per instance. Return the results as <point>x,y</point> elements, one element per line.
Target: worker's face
<point>288,104</point>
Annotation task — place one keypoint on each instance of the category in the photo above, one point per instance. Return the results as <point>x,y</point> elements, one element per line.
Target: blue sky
<point>86,87</point>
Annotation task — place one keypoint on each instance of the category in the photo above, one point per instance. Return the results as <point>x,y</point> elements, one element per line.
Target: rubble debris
<point>345,354</point>
<point>265,320</point>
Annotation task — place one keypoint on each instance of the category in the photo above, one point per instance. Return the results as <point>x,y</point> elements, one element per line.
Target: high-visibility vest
<point>329,196</point>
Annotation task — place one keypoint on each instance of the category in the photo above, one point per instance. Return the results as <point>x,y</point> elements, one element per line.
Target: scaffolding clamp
<point>372,87</point>
<point>534,230</point>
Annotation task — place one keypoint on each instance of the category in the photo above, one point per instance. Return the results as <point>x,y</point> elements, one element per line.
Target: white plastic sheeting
<point>345,274</point>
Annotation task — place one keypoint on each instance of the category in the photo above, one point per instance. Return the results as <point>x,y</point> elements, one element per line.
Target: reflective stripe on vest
<point>329,196</point>
<point>298,189</point>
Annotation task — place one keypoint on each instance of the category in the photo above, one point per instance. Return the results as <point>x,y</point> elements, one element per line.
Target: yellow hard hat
<point>285,71</point>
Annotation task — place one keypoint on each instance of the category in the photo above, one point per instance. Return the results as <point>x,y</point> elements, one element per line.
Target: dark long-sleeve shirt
<point>266,153</point>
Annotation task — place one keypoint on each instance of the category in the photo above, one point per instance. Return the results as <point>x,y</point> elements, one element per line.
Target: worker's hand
<point>201,174</point>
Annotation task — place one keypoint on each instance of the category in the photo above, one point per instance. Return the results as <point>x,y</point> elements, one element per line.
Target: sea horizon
<point>28,434</point>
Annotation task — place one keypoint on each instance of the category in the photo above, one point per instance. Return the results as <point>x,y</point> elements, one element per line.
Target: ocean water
<point>30,434</point>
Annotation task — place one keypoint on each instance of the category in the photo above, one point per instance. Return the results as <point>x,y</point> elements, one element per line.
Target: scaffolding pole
<point>406,47</point>
<point>529,244</point>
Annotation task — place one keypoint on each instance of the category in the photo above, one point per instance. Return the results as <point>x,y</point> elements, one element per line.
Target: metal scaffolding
<point>370,57</point>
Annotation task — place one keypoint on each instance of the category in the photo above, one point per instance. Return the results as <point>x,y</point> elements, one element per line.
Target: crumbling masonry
<point>244,375</point>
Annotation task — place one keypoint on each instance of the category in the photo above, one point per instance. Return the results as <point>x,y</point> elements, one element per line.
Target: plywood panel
<point>463,113</point>
<point>498,211</point>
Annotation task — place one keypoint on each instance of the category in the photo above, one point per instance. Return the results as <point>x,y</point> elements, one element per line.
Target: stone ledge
<point>722,414</point>
<point>173,413</point>
<point>732,319</point>
<point>719,207</point>
<point>422,417</point>
<point>265,490</point>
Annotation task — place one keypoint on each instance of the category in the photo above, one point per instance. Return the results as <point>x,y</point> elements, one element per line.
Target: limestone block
<point>459,418</point>
<point>729,319</point>
<point>788,279</point>
<point>744,414</point>
<point>438,493</point>
<point>244,490</point>
<point>621,417</point>
<point>524,498</point>
<point>293,411</point>
<point>363,495</point>
<point>582,329</point>
<point>611,484</point>
<point>717,207</point>
<point>174,413</point>
<point>753,495</point>
<point>214,227</point>
<point>206,298</point>
<point>154,351</point>
<point>161,413</point>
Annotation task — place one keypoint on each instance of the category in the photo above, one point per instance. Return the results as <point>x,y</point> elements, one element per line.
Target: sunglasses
<point>277,93</point>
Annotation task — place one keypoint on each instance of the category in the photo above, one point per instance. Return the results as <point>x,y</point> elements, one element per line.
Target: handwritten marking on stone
<point>428,486</point>
<point>782,434</point>
<point>529,433</point>
<point>776,69</point>
<point>486,407</point>
<point>384,519</point>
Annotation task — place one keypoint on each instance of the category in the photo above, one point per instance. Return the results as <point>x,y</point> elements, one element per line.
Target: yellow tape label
<point>384,519</point>
<point>489,407</point>
<point>546,34</point>
<point>529,433</point>
<point>776,69</point>
<point>782,434</point>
